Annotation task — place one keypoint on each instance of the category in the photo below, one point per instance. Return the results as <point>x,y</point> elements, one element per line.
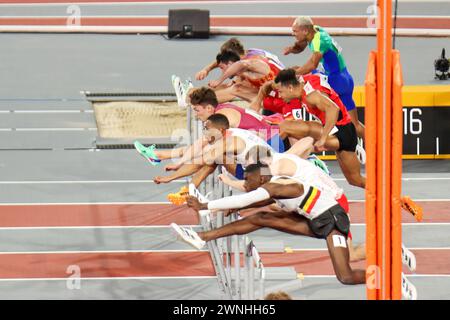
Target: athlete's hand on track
<point>202,74</point>
<point>214,83</point>
<point>160,179</point>
<point>193,203</point>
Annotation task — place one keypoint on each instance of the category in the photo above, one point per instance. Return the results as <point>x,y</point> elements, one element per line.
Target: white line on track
<point>181,3</point>
<point>215,16</point>
<point>46,111</point>
<point>140,181</point>
<point>176,251</point>
<point>144,203</point>
<point>414,224</point>
<point>109,279</point>
<point>85,182</point>
<point>193,277</point>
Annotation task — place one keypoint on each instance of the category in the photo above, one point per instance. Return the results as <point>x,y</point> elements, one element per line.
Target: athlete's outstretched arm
<point>310,65</point>
<point>323,103</point>
<point>298,47</point>
<point>181,152</point>
<point>234,69</point>
<point>184,171</point>
<point>202,74</point>
<point>234,183</point>
<point>190,152</point>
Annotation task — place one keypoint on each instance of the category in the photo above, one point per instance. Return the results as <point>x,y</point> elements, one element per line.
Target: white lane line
<point>94,227</point>
<point>191,277</point>
<point>46,111</point>
<point>110,278</point>
<point>83,203</point>
<point>325,249</point>
<point>296,250</point>
<point>217,16</point>
<point>84,181</point>
<point>408,275</point>
<point>139,181</point>
<point>99,252</point>
<point>52,129</point>
<point>181,3</point>
<point>144,203</point>
<point>418,224</point>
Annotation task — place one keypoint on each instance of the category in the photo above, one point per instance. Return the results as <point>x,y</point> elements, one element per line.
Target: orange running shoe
<point>409,205</point>
<point>179,198</point>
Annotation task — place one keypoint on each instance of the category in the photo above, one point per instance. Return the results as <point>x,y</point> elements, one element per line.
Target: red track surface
<point>153,214</point>
<point>344,22</point>
<point>166,264</point>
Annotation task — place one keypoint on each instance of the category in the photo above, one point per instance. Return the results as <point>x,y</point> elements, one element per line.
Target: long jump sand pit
<point>130,119</point>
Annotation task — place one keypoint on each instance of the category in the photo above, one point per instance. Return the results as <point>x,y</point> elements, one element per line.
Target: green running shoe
<point>147,153</point>
<point>319,163</point>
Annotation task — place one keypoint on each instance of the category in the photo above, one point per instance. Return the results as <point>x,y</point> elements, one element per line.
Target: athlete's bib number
<point>297,114</point>
<point>324,81</point>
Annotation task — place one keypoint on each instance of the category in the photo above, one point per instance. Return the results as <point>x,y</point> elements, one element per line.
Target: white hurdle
<point>222,254</point>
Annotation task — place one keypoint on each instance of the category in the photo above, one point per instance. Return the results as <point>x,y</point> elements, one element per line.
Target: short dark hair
<point>203,96</point>
<point>256,167</point>
<point>233,44</point>
<point>287,77</point>
<point>227,56</point>
<point>219,120</point>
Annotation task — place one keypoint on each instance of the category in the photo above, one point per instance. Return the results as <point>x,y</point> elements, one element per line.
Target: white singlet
<point>315,200</point>
<point>308,172</point>
<point>250,139</point>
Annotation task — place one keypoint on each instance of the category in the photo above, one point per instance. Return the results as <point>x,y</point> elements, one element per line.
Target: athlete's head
<point>233,44</point>
<point>302,28</point>
<point>203,101</point>
<point>259,154</point>
<point>287,84</point>
<point>215,127</point>
<point>255,176</point>
<point>226,58</point>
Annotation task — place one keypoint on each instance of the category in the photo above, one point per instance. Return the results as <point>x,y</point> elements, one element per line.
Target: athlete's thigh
<point>289,222</point>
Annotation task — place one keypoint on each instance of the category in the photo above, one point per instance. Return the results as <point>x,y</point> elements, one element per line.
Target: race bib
<point>324,81</point>
<point>297,114</point>
<point>308,88</point>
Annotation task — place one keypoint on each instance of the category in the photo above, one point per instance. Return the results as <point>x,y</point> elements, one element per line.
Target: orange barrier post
<point>384,114</point>
<point>372,269</point>
<point>397,143</point>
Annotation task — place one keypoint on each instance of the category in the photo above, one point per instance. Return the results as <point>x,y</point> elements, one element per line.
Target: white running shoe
<point>409,291</point>
<point>360,152</point>
<point>189,236</point>
<point>408,258</point>
<point>179,91</point>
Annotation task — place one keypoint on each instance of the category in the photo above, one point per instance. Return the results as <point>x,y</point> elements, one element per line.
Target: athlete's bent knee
<point>346,279</point>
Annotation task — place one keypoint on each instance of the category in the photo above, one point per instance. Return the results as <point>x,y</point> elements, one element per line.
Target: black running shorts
<point>333,218</point>
<point>347,137</point>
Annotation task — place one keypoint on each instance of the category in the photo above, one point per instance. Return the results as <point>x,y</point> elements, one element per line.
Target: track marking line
<point>406,224</point>
<point>83,181</point>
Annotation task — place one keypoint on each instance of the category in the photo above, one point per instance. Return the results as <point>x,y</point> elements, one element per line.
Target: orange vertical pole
<point>384,109</point>
<point>397,146</point>
<point>370,113</point>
